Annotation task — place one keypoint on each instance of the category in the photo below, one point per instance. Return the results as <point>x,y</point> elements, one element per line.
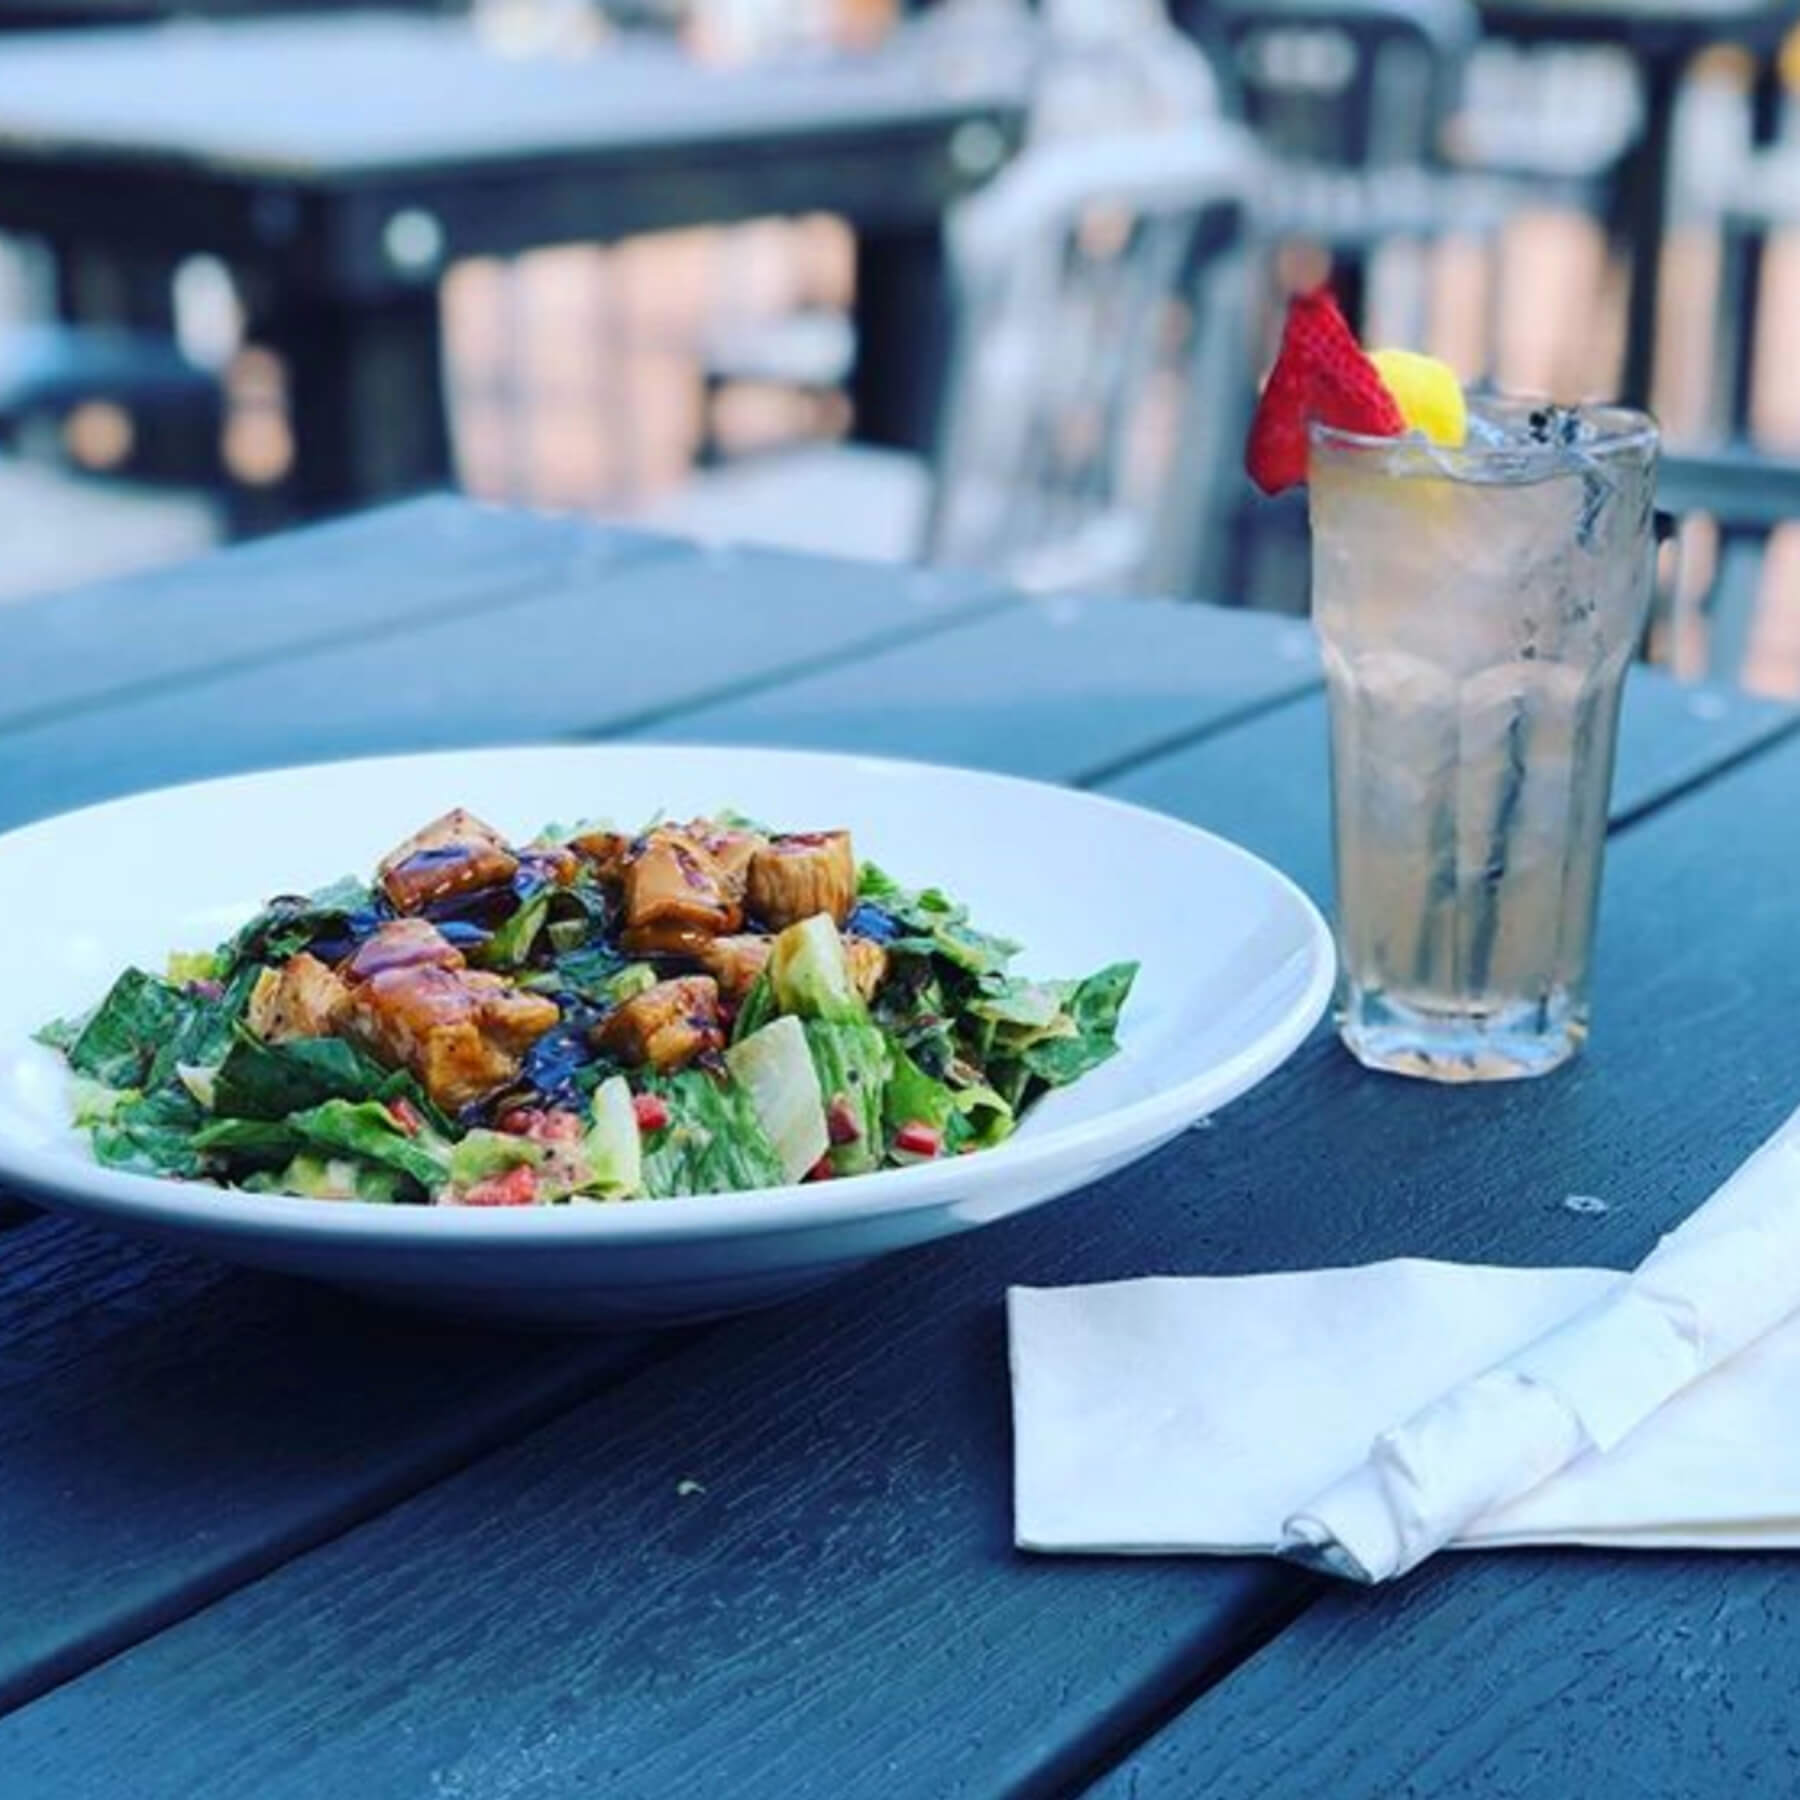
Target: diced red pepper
<point>842,1126</point>
<point>652,1111</point>
<point>517,1120</point>
<point>917,1138</point>
<point>558,1126</point>
<point>406,1116</point>
<point>820,1171</point>
<point>517,1187</point>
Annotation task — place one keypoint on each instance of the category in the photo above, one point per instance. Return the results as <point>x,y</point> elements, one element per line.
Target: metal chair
<point>1351,100</point>
<point>1747,496</point>
<point>1098,386</point>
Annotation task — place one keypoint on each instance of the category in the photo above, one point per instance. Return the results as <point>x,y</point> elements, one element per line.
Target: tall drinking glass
<point>1477,609</point>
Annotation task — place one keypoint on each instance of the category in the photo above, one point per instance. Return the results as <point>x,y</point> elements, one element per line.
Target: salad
<point>594,1015</point>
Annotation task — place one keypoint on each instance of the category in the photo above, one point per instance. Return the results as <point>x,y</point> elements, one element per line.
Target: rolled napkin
<point>1503,1405</point>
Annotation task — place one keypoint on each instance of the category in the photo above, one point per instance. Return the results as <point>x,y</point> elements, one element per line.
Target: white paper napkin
<point>1362,1418</point>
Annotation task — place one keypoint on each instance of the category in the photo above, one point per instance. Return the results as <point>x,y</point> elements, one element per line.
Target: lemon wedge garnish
<point>1427,392</point>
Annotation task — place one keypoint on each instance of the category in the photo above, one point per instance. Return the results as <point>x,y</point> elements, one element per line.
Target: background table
<point>340,163</point>
<point>263,1540</point>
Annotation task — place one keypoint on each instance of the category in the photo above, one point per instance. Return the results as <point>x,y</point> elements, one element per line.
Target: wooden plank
<point>1277,801</point>
<point>167,1432</point>
<point>580,646</point>
<point>1567,1672</point>
<point>839,1612</point>
<point>1058,689</point>
<point>434,559</point>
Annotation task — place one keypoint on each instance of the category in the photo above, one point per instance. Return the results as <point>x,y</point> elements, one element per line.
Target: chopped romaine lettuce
<point>589,974</point>
<point>511,944</point>
<point>270,1081</point>
<point>481,1155</point>
<point>151,1134</point>
<point>934,924</point>
<point>810,974</point>
<point>316,1177</point>
<point>367,1129</point>
<point>757,1010</point>
<point>119,1043</point>
<point>713,1142</point>
<point>288,925</point>
<point>191,965</point>
<point>613,1144</point>
<point>1092,1011</point>
<point>852,1065</point>
<point>776,1069</point>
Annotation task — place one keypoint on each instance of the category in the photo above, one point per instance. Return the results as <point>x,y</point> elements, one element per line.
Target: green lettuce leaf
<point>366,1129</point>
<point>270,1081</point>
<point>713,1142</point>
<point>1092,1012</point>
<point>852,1065</point>
<point>120,1041</point>
<point>286,926</point>
<point>509,947</point>
<point>152,1134</point>
<point>934,924</point>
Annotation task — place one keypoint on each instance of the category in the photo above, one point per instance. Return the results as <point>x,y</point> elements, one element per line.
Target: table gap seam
<point>638,554</point>
<point>1689,784</point>
<point>1083,1767</point>
<point>80,1658</point>
<point>1191,735</point>
<point>895,638</point>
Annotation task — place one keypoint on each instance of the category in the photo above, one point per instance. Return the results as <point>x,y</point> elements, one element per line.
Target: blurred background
<point>981,282</point>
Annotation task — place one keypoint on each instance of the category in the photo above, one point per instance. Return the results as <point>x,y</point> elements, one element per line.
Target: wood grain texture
<point>1058,689</point>
<point>439,558</point>
<point>169,1430</point>
<point>1277,800</point>
<point>838,1612</point>
<point>1539,1673</point>
<point>574,642</point>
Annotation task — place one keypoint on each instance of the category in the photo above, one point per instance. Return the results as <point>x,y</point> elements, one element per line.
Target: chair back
<point>1738,514</point>
<point>1346,84</point>
<point>1096,402</point>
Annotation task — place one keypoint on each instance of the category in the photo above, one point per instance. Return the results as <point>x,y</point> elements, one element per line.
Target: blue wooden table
<point>263,1540</point>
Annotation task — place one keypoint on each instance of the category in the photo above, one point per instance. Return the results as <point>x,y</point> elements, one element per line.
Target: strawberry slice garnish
<point>1322,375</point>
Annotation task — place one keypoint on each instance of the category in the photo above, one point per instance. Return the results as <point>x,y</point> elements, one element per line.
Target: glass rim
<point>1619,431</point>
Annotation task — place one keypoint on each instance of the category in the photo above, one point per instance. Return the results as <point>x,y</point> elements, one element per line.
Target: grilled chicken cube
<point>402,944</point>
<point>673,880</point>
<point>605,852</point>
<point>302,999</point>
<point>735,962</point>
<point>457,854</point>
<point>553,865</point>
<point>669,939</point>
<point>868,962</point>
<point>731,847</point>
<point>793,878</point>
<point>464,1033</point>
<point>666,1026</point>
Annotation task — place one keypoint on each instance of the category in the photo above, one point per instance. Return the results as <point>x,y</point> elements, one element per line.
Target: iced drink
<point>1477,608</point>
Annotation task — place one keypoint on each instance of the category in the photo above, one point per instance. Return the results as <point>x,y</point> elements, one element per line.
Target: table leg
<point>366,405</point>
<point>1643,204</point>
<point>902,337</point>
<point>106,288</point>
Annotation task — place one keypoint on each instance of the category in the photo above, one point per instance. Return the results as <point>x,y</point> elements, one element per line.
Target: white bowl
<point>1236,969</point>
